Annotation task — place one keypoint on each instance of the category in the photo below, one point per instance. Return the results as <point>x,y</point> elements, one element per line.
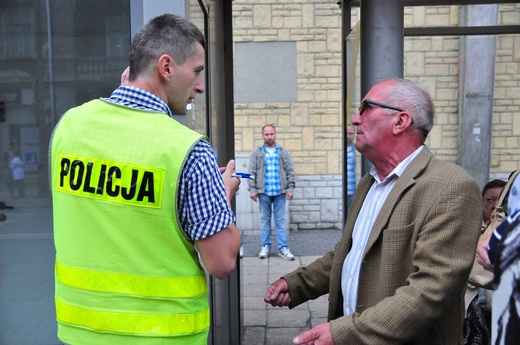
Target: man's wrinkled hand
<point>319,335</point>
<point>277,294</point>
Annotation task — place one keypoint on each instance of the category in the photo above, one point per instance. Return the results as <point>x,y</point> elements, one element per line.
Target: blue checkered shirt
<point>272,173</point>
<point>203,208</point>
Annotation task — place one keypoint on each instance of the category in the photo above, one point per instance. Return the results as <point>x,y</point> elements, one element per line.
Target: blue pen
<point>243,175</point>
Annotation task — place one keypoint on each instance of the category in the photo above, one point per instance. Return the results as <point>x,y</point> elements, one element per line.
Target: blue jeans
<point>268,205</point>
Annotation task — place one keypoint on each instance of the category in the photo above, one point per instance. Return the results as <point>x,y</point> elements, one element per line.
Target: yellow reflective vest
<point>125,273</point>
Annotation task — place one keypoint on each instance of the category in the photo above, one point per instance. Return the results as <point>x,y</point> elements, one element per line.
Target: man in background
<point>18,173</point>
<point>271,166</point>
<point>351,165</point>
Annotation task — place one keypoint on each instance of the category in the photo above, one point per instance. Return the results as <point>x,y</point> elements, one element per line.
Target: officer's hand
<point>231,183</point>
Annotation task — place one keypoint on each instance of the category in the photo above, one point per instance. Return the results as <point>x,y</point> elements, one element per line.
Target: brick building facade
<point>309,124</point>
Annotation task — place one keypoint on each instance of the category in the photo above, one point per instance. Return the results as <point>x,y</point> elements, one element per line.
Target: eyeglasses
<point>367,102</point>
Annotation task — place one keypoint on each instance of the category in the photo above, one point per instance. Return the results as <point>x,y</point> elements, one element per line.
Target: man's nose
<point>356,119</point>
<point>199,85</point>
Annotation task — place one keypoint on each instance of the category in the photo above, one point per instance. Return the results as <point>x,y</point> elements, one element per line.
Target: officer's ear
<point>165,66</point>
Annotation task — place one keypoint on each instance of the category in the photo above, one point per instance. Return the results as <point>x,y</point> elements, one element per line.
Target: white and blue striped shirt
<point>203,208</point>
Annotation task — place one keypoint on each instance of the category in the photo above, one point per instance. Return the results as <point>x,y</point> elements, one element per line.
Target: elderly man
<point>398,274</point>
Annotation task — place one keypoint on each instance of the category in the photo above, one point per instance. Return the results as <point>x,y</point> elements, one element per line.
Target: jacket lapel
<point>404,182</point>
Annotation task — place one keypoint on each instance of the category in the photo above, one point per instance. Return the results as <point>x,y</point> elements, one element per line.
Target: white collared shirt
<point>362,228</point>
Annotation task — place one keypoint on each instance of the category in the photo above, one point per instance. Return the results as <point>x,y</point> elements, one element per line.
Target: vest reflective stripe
<point>133,323</point>
<point>112,282</point>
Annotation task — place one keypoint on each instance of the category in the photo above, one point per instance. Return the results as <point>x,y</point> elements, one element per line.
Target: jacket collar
<point>404,182</point>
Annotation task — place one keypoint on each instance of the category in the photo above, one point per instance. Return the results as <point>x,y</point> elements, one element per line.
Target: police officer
<point>137,199</point>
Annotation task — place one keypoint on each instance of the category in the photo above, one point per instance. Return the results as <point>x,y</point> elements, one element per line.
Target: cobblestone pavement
<point>301,243</point>
<point>267,325</point>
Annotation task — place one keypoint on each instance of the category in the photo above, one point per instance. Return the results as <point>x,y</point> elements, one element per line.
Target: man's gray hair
<point>416,100</point>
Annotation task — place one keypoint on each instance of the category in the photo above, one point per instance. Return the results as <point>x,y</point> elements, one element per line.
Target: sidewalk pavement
<point>267,325</point>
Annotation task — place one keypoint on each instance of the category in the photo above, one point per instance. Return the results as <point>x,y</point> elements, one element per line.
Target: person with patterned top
<point>272,184</point>
<point>398,273</point>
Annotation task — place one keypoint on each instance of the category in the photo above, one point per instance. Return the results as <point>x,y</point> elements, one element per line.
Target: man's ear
<point>403,121</point>
<point>165,66</point>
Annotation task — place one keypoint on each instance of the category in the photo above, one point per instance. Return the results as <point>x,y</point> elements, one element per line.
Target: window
<point>18,33</point>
